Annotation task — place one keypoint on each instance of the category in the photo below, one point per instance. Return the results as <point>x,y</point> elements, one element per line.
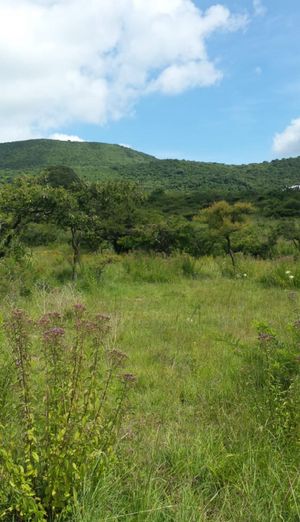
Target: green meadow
<point>209,430</point>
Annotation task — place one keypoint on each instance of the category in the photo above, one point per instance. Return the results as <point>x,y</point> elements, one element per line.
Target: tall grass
<point>198,441</point>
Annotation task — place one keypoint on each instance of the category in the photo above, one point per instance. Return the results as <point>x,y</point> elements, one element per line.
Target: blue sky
<point>232,95</point>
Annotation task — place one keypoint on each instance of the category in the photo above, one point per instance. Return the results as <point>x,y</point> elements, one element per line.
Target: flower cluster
<point>53,334</point>
<point>289,275</point>
<point>129,378</point>
<point>116,357</point>
<point>49,319</point>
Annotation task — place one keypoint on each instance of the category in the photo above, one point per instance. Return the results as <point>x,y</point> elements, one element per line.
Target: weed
<point>69,401</point>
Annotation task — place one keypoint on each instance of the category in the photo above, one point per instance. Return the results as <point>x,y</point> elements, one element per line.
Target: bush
<point>17,276</point>
<point>273,370</point>
<point>67,400</point>
<point>282,276</point>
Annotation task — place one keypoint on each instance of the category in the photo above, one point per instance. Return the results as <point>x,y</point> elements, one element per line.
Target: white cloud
<point>287,143</point>
<point>177,78</point>
<point>65,137</point>
<point>126,145</point>
<point>64,61</point>
<point>259,8</point>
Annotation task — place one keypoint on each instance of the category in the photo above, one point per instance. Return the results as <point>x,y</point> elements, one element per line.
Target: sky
<point>188,79</point>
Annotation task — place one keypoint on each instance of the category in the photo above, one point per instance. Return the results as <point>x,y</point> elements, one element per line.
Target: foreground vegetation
<point>209,429</point>
<point>149,340</point>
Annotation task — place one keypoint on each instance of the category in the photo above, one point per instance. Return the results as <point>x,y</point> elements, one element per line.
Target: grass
<point>192,446</point>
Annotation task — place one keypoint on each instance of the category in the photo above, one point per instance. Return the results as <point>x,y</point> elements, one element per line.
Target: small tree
<point>28,201</point>
<point>94,212</point>
<point>290,230</point>
<point>23,202</point>
<point>225,219</point>
<point>115,206</point>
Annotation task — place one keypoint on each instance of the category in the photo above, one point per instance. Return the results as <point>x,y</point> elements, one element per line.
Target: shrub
<point>282,276</point>
<point>67,399</point>
<point>274,372</point>
<point>17,276</point>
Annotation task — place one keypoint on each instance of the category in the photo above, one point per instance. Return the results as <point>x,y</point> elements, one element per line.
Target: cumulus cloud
<point>287,143</point>
<point>259,8</point>
<point>126,145</point>
<point>65,61</point>
<point>65,137</point>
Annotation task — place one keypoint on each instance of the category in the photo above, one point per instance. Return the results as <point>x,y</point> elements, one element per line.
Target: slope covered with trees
<point>99,161</point>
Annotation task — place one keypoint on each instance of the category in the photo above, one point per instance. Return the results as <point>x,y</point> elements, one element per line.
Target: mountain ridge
<point>98,161</point>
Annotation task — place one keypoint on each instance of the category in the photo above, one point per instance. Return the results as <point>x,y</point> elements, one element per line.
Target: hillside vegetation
<point>98,161</point>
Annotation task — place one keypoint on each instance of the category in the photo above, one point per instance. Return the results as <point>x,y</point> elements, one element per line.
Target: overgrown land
<point>149,337</point>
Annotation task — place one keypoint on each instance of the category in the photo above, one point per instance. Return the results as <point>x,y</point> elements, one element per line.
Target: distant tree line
<point>91,216</point>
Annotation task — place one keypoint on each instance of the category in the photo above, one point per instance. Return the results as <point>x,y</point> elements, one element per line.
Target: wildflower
<point>117,357</point>
<point>49,318</point>
<point>54,333</point>
<point>244,275</point>
<point>87,326</point>
<point>291,276</point>
<point>129,378</point>
<point>287,272</point>
<point>79,309</point>
<point>18,313</point>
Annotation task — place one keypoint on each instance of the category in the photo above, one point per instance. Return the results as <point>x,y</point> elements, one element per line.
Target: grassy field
<point>199,440</point>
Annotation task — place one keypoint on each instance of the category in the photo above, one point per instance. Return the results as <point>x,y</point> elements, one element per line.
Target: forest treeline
<point>58,206</point>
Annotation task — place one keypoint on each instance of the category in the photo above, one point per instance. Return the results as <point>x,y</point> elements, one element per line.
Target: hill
<point>96,161</point>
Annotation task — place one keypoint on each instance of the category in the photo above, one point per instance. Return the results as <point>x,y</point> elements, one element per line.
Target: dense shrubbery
<point>118,216</point>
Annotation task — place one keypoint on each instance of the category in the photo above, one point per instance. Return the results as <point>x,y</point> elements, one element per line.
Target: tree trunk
<point>76,252</point>
<point>230,251</point>
<point>296,243</point>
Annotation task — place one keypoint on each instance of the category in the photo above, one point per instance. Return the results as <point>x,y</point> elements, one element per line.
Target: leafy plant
<point>224,220</point>
<point>274,370</point>
<point>68,400</point>
<point>281,275</point>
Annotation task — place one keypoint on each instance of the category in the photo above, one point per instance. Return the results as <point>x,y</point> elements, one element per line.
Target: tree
<point>23,202</point>
<point>115,206</point>
<point>29,201</point>
<point>95,212</point>
<point>225,219</point>
<point>290,230</point>
<point>60,176</point>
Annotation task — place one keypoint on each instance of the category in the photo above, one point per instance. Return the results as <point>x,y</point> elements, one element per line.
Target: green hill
<point>40,153</point>
<point>96,161</point>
